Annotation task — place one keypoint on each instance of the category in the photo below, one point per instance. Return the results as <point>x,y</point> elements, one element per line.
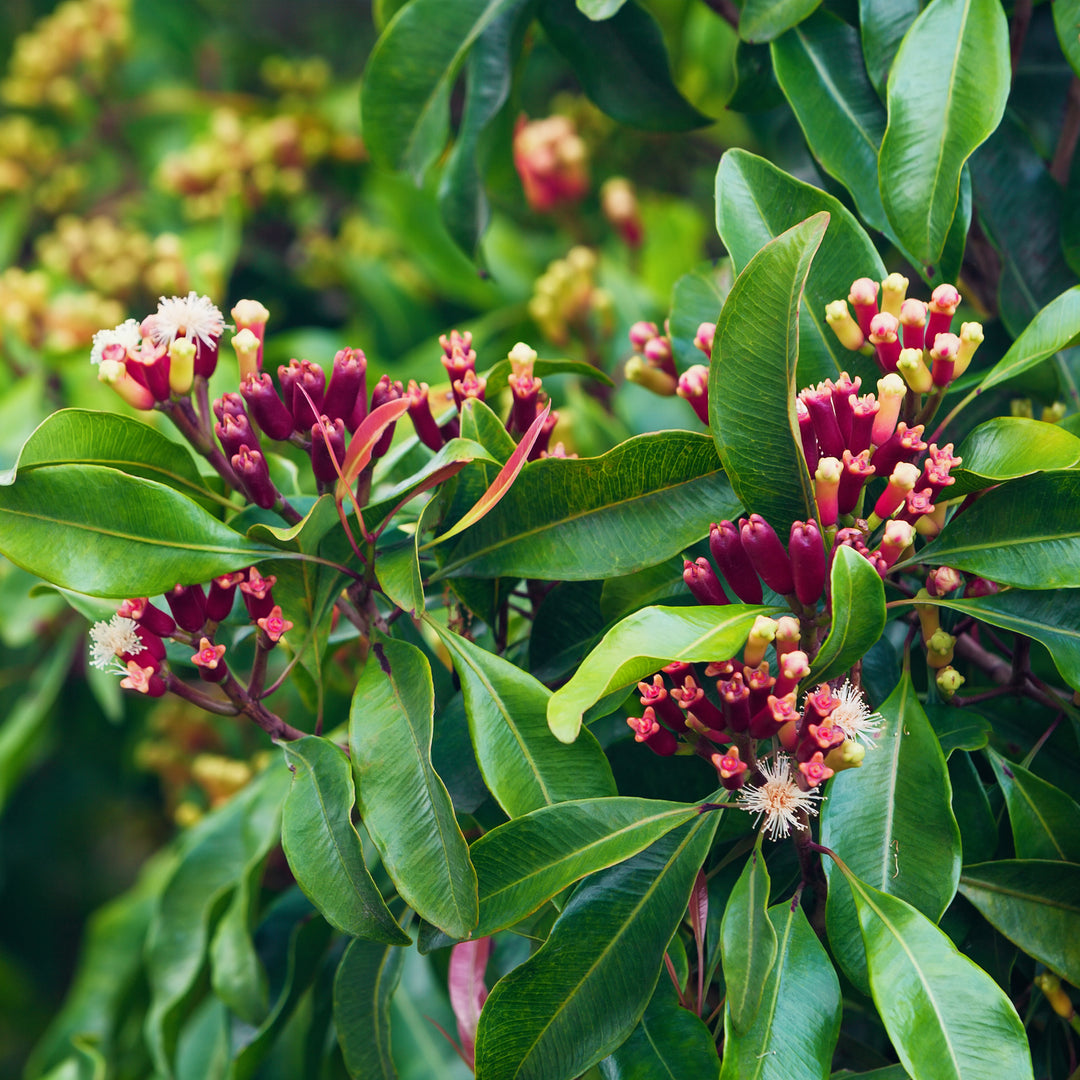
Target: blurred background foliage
<point>155,146</point>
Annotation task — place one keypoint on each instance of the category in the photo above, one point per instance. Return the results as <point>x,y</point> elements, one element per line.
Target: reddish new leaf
<point>468,960</point>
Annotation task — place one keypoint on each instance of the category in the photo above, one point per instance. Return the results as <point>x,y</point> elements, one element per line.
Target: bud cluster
<point>653,365</point>
<point>132,643</point>
<point>552,162</point>
<point>566,299</point>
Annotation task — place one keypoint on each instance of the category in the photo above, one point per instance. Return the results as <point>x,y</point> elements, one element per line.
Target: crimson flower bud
<point>901,481</point>
<point>944,301</point>
<point>153,648</point>
<point>767,554</point>
<point>310,380</point>
<point>654,695</point>
<point>658,353</point>
<point>323,455</point>
<point>891,391</point>
<point>725,545</point>
<point>794,667</point>
<point>913,320</point>
<point>944,353</point>
<point>143,679</point>
<point>235,431</point>
<point>208,658</point>
<point>864,412</point>
<point>647,730</point>
<point>705,337</point>
<point>543,436</point>
<point>761,685</point>
<point>525,389</point>
<point>385,390</point>
<point>268,409</point>
<point>641,333</point>
<point>980,587</point>
<point>819,403</point>
<point>694,387</point>
<point>855,473</point>
<point>703,582</point>
<point>827,479</point>
<point>420,414</point>
<point>735,695</point>
<point>732,771</point>
<point>904,444</point>
<point>788,635</point>
<point>898,536</point>
<point>845,391</point>
<point>254,473</point>
<point>807,552</point>
<point>219,601</point>
<point>773,715</point>
<point>815,770</point>
<point>943,580</point>
<point>810,448</point>
<point>884,336</point>
<point>863,298</point>
<point>287,377</point>
<point>274,625</point>
<point>691,698</point>
<point>348,380</point>
<point>188,606</point>
<point>150,364</point>
<point>146,614</point>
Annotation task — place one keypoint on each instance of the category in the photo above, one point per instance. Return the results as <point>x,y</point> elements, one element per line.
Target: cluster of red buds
<point>132,642</point>
<point>756,700</point>
<point>653,365</point>
<point>552,162</point>
<point>619,203</point>
<point>907,336</point>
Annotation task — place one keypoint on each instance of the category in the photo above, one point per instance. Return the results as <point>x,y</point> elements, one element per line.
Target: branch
<point>726,10</point>
<point>1061,166</point>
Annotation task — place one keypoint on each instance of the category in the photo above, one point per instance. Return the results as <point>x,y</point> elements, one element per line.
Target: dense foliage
<point>471,616</point>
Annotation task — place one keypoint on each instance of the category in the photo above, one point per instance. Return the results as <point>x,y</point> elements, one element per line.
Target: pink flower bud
<point>810,448</point>
<point>913,320</point>
<point>702,581</point>
<point>257,593</point>
<point>327,445</point>
<point>943,580</point>
<point>943,354</point>
<point>827,489</point>
<point>845,391</point>
<point>904,445</point>
<point>857,469</point>
<point>819,403</point>
<point>898,537</point>
<point>274,625</point>
<point>773,715</point>
<point>815,770</point>
<point>725,546</point>
<point>655,695</point>
<point>794,667</point>
<point>307,396</point>
<point>864,411</point>
<point>766,553</point>
<point>735,695</point>
<point>385,390</point>
<point>209,660</point>
<point>885,338</point>
<point>732,771</point>
<point>901,481</point>
<point>704,338</point>
<point>944,301</point>
<point>420,414</point>
<point>219,601</point>
<point>694,387</point>
<point>807,552</point>
<point>863,298</point>
<point>235,431</point>
<point>146,614</point>
<point>641,333</point>
<point>658,353</point>
<point>348,379</point>
<point>254,473</point>
<point>891,391</point>
<point>788,635</point>
<point>145,680</point>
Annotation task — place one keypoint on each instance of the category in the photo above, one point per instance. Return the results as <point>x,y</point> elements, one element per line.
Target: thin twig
<point>1018,32</point>
<point>1061,165</point>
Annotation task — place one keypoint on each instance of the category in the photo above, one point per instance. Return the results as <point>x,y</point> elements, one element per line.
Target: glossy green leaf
<point>584,991</point>
<point>857,601</point>
<point>622,65</point>
<point>946,95</point>
<point>752,379</point>
<point>748,943</point>
<point>882,26</point>
<point>135,537</point>
<point>978,827</point>
<point>642,644</point>
<point>795,1031</point>
<point>756,202</point>
<point>404,108</point>
<point>958,729</point>
<point>87,437</point>
<point>579,519</point>
<point>216,852</point>
<point>599,9</point>
<point>1024,533</point>
<point>397,569</point>
<point>488,69</point>
<point>1007,447</point>
<point>403,803</point>
<point>1067,25</point>
<point>669,1041</point>
<point>323,847</point>
<point>1051,618</point>
<point>1035,903</point>
<point>763,20</point>
<point>1020,206</point>
<point>1045,821</point>
<point>892,823</point>
<point>819,67</point>
<point>523,764</point>
<point>365,982</point>
<point>307,943</point>
<point>1055,327</point>
<point>497,377</point>
<point>946,1018</point>
<point>756,89</point>
<point>527,861</point>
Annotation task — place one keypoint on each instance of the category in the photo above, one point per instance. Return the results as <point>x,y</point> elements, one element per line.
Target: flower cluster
<point>653,365</point>
<point>132,642</point>
<point>756,700</point>
<point>552,162</point>
<point>566,299</point>
<point>32,313</point>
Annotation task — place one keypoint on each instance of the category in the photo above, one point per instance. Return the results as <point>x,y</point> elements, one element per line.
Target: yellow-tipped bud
<point>848,755</point>
<point>893,293</point>
<point>939,649</point>
<point>181,365</point>
<point>971,337</point>
<point>914,370</point>
<point>247,346</point>
<point>949,680</point>
<point>845,328</point>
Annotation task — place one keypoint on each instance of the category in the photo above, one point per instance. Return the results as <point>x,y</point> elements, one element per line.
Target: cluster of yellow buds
<point>253,159</point>
<point>114,259</point>
<point>60,323</point>
<point>303,77</point>
<point>566,299</point>
<point>32,164</point>
<point>322,260</point>
<point>66,54</point>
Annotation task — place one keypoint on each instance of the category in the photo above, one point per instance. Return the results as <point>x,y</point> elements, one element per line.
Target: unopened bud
<point>846,329</point>
<point>914,370</point>
<point>971,337</point>
<point>848,755</point>
<point>659,382</point>
<point>939,649</point>
<point>181,365</point>
<point>949,680</point>
<point>761,635</point>
<point>893,290</point>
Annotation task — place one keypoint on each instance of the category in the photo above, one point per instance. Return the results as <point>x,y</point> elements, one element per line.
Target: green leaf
<point>819,67</point>
<point>525,862</point>
<point>622,65</point>
<point>763,20</point>
<point>752,379</point>
<point>946,95</point>
<point>1054,328</point>
<point>403,803</point>
<point>365,982</point>
<point>584,991</point>
<point>857,601</point>
<point>397,569</point>
<point>669,1041</point>
<point>978,827</point>
<point>892,823</point>
<point>756,89</point>
<point>1050,618</point>
<point>216,853</point>
<point>748,942</point>
<point>958,729</point>
<point>882,25</point>
<point>462,199</point>
<point>1045,821</point>
<point>88,437</point>
<point>135,537</point>
<point>322,845</point>
<point>523,764</point>
<point>1019,206</point>
<point>1035,903</point>
<point>696,298</point>
<point>404,108</point>
<point>795,1032</point>
<point>24,733</point>
<point>1007,447</point>
<point>497,376</point>
<point>579,519</point>
<point>1067,25</point>
<point>1024,533</point>
<point>642,644</point>
<point>599,9</point>
<point>946,1018</point>
<point>756,202</point>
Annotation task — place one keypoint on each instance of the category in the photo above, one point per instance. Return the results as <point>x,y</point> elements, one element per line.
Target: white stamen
<point>780,799</point>
<point>108,640</point>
